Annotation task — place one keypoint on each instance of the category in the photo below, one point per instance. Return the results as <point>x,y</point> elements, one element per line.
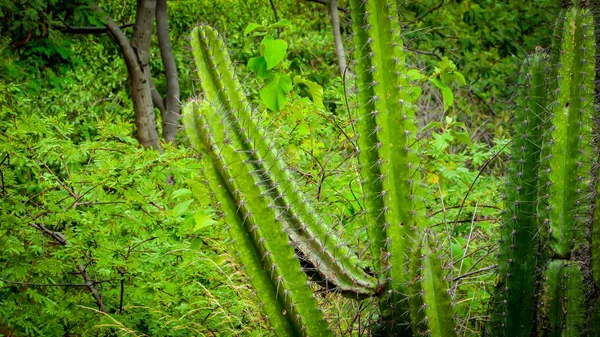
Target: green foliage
<point>487,40</point>
<point>277,83</point>
<point>138,238</point>
<point>68,161</point>
<point>70,169</point>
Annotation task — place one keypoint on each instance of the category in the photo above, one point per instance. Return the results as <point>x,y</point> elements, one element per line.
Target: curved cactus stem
<point>562,310</point>
<point>317,243</point>
<point>260,239</point>
<point>247,253</point>
<point>514,296</point>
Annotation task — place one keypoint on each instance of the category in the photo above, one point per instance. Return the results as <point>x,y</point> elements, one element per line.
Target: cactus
<point>549,218</point>
<point>276,232</point>
<point>517,260</point>
<point>549,274</point>
<point>390,166</point>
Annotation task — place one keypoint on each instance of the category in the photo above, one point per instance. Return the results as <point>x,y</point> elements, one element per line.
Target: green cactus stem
<point>567,166</point>
<point>546,233</point>
<point>562,310</point>
<point>437,303</point>
<point>390,164</point>
<point>518,254</point>
<point>260,240</point>
<point>317,243</point>
<point>247,252</point>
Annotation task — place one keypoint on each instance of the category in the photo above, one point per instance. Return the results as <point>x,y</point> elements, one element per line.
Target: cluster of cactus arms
<point>287,249</point>
<point>548,262</point>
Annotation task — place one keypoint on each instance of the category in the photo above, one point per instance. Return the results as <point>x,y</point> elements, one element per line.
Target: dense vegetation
<point>106,225</point>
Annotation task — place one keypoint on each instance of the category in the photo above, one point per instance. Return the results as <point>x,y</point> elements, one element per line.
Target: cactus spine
<point>548,205</point>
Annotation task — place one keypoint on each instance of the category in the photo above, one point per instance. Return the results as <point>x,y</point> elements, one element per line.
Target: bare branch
<point>57,236</point>
<point>90,285</point>
<point>429,11</point>
<point>89,30</point>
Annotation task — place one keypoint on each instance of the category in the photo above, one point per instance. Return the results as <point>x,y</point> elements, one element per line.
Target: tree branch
<point>170,112</point>
<point>57,236</point>
<point>136,55</point>
<point>90,285</point>
<point>51,284</point>
<point>89,30</point>
<point>427,12</point>
<point>60,238</point>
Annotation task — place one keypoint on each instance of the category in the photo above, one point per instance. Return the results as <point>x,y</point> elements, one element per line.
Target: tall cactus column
<point>390,170</point>
<point>517,262</point>
<point>543,258</point>
<point>566,168</point>
<point>268,205</point>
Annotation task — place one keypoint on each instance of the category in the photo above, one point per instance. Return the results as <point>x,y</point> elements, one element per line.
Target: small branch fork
<point>60,238</point>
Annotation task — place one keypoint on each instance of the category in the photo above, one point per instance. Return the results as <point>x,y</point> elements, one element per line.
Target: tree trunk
<point>136,56</point>
<point>337,36</point>
<point>170,114</point>
<point>139,72</point>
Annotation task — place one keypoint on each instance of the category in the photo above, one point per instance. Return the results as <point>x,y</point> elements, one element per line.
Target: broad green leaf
<point>203,220</point>
<point>196,243</point>
<point>460,125</point>
<point>433,125</point>
<point>252,27</point>
<point>447,95</point>
<point>281,24</point>
<point>182,192</point>
<point>414,75</point>
<point>461,136</point>
<point>314,89</point>
<point>275,93</point>
<point>182,207</point>
<point>415,93</point>
<point>458,76</point>
<point>258,65</point>
<point>274,50</point>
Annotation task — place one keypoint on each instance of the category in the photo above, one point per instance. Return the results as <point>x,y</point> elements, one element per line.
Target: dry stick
<point>458,278</point>
<point>60,238</point>
<point>337,36</point>
<point>90,285</point>
<point>475,180</point>
<point>2,175</point>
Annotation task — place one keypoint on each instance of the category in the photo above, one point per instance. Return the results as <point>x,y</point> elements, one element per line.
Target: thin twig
<point>90,285</point>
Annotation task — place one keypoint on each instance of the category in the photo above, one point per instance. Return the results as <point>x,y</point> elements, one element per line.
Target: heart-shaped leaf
<point>274,51</point>
<point>258,65</point>
<point>275,93</point>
